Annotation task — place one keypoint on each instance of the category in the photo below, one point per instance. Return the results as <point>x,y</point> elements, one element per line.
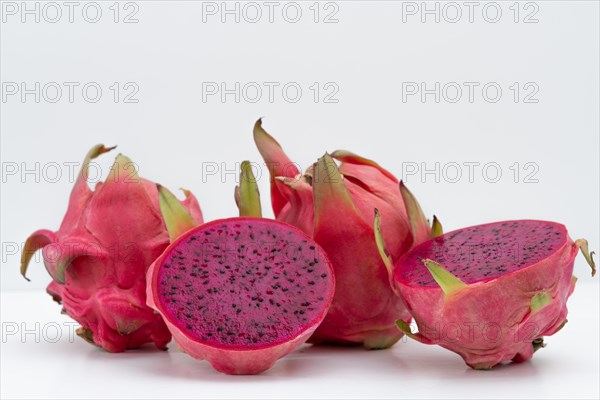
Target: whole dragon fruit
<point>239,292</point>
<point>99,256</point>
<point>490,292</point>
<point>334,205</point>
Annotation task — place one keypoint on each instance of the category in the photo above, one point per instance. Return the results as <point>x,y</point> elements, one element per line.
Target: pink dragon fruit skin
<point>99,256</point>
<point>334,205</point>
<point>491,292</point>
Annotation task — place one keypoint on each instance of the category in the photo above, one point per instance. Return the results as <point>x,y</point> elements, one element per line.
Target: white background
<point>372,49</point>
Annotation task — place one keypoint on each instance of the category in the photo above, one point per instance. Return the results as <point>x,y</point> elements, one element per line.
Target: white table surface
<point>566,368</point>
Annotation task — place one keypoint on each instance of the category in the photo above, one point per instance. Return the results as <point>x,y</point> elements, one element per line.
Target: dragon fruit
<point>99,256</point>
<point>490,292</point>
<point>239,292</point>
<point>334,205</point>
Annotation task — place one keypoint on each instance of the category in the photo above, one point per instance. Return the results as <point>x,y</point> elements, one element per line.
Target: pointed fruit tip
<point>246,195</point>
<point>36,241</point>
<point>124,170</point>
<point>346,156</point>
<point>419,225</point>
<point>405,328</point>
<point>331,196</point>
<point>449,283</point>
<point>293,183</point>
<point>539,301</point>
<point>123,157</point>
<point>328,183</point>
<point>92,153</point>
<point>86,334</point>
<point>379,240</point>
<point>341,153</point>
<point>98,149</point>
<point>330,172</point>
<point>177,219</point>
<point>589,256</point>
<point>562,325</point>
<point>262,138</point>
<point>436,227</point>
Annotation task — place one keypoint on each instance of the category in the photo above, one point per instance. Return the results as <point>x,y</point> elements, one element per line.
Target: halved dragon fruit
<point>489,292</point>
<point>239,292</point>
